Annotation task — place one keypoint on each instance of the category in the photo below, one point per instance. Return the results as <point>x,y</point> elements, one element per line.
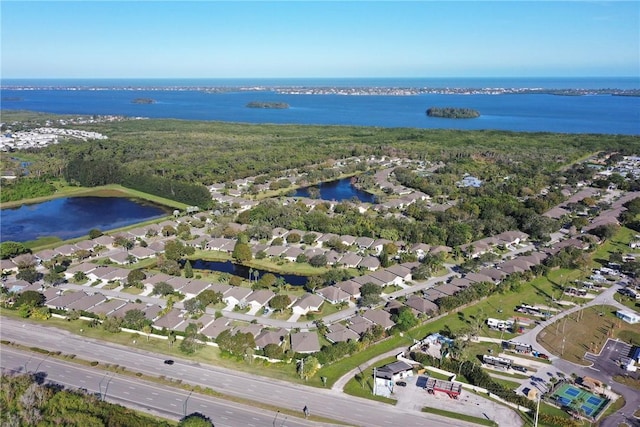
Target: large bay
<point>604,114</point>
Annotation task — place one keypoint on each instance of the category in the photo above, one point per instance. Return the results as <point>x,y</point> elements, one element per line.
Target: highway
<point>327,403</point>
<point>148,397</point>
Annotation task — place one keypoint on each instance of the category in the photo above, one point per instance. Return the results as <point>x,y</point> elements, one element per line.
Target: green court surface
<point>579,400</point>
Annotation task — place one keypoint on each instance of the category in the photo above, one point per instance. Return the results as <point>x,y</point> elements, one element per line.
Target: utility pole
<point>375,383</point>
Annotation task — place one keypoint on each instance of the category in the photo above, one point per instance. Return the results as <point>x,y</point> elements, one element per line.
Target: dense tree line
<point>25,188</point>
<point>26,401</point>
<point>207,152</point>
<point>97,171</point>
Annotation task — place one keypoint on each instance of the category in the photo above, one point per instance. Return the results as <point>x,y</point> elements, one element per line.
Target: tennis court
<point>578,399</point>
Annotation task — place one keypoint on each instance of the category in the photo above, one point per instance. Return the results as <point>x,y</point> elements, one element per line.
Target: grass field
<point>586,330</point>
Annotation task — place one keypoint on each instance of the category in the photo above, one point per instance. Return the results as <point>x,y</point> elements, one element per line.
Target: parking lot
<point>414,397</point>
<point>609,360</point>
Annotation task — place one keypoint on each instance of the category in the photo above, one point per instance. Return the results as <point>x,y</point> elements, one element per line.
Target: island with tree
<point>143,101</point>
<point>453,113</point>
<point>272,105</point>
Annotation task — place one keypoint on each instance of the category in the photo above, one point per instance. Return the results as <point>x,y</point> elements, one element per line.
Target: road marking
<point>228,412</point>
<point>132,388</point>
<point>203,406</point>
<point>154,393</point>
<point>126,392</point>
<point>173,404</point>
<point>150,399</point>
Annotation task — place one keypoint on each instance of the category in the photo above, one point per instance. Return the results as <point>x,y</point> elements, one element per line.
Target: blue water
<point>244,271</point>
<point>516,112</point>
<point>338,191</point>
<point>71,217</point>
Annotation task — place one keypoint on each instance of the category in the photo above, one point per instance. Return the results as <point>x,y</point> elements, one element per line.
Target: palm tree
<point>250,273</point>
<point>256,274</point>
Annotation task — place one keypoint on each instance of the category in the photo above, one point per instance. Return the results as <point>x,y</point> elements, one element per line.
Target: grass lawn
<point>132,290</point>
<point>459,416</point>
<point>362,385</point>
<point>633,304</point>
<point>585,330</point>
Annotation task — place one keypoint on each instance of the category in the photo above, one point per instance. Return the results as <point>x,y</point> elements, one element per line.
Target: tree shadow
<point>40,377</point>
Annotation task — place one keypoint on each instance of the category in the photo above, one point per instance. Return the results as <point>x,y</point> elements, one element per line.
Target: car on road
<point>169,362</point>
<point>519,368</point>
<point>401,383</point>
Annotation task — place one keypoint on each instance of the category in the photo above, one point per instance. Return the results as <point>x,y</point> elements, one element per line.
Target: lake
<point>71,217</point>
<point>244,271</point>
<point>338,191</point>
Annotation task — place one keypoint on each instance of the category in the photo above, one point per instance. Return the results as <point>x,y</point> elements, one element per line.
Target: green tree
<point>280,302</point>
<point>162,288</point>
<point>135,277</point>
<point>94,233</point>
<point>309,367</point>
<point>370,294</point>
<point>241,252</point>
<point>195,420</point>
<point>405,319</point>
<point>188,270</point>
<point>135,319</point>
<point>28,274</point>
<point>30,299</point>
<point>208,297</point>
<point>10,249</point>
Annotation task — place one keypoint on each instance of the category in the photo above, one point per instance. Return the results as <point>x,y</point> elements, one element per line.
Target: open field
<point>582,331</point>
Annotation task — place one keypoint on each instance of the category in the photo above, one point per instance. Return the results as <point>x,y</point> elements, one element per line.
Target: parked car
<point>401,383</point>
<point>169,362</point>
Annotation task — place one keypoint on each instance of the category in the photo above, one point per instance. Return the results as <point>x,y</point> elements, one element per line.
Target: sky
<point>269,39</point>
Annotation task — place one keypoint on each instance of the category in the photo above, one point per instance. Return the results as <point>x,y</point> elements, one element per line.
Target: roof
<point>267,337</point>
<point>379,317</point>
<point>310,301</point>
<point>333,293</point>
<point>421,304</point>
<point>305,342</point>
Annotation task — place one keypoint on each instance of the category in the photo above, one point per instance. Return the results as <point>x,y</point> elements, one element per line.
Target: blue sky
<point>87,39</point>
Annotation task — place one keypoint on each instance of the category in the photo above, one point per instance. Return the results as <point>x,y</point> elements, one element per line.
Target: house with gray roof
<point>364,242</point>
<point>275,251</point>
<point>292,253</point>
<point>251,328</point>
<point>350,287</point>
<point>86,303</point>
<point>305,342</point>
<point>359,324</point>
<point>236,296</point>
<point>350,260</point>
<point>422,305</point>
<point>61,302</point>
<point>379,317</point>
<point>107,307</point>
<point>370,263</point>
<point>387,277</point>
<point>401,270</point>
<point>142,253</point>
<point>307,303</point>
<point>340,333</point>
<point>259,298</point>
<point>170,321</point>
<point>448,289</point>
<point>334,295</point>
<point>268,336</point>
<point>193,288</point>
<point>177,283</point>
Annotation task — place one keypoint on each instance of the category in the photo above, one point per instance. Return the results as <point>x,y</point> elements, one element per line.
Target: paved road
<point>323,402</point>
<point>631,396</point>
<point>167,402</point>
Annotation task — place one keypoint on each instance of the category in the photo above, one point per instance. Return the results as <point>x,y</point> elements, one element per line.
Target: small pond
<point>244,271</point>
<point>339,190</point>
<point>71,217</point>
